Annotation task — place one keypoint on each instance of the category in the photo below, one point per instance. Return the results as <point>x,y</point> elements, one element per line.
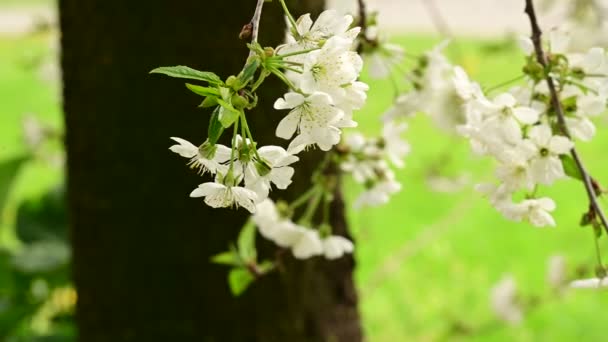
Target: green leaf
<point>227,258</point>
<point>266,266</point>
<point>181,71</point>
<point>246,243</point>
<point>249,71</point>
<point>203,91</point>
<point>215,127</point>
<point>209,101</point>
<point>227,114</point>
<point>239,279</point>
<point>570,167</point>
<point>9,169</point>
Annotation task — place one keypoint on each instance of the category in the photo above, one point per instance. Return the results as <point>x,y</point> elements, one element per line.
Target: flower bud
<point>239,102</point>
<point>268,51</point>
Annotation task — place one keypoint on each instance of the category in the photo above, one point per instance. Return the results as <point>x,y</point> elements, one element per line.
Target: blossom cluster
<point>435,92</point>
<point>324,81</point>
<point>303,241</point>
<point>367,159</point>
<point>321,70</point>
<point>521,131</point>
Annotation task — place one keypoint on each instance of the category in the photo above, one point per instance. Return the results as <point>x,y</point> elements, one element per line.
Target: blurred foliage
<point>36,296</point>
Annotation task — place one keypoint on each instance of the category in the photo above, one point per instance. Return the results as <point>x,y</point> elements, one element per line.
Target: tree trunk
<point>141,247</point>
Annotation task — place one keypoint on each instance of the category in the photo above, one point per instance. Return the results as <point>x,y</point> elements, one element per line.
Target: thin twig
<point>441,24</point>
<point>590,186</point>
<point>362,24</point>
<point>362,16</point>
<point>255,22</point>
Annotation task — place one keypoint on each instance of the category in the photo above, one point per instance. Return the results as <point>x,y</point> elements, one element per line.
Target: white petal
<point>304,23</point>
<point>207,189</point>
<point>222,153</point>
<point>308,245</point>
<point>326,138</point>
<point>288,126</point>
<point>505,100</point>
<point>526,45</point>
<point>281,177</point>
<point>560,144</point>
<point>526,115</point>
<point>541,135</point>
<point>291,100</point>
<point>245,198</point>
<point>185,148</point>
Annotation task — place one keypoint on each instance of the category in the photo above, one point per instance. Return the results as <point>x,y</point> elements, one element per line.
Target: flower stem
<point>306,218</point>
<point>303,198</point>
<point>296,53</point>
<point>294,26</point>
<point>247,134</point>
<point>598,252</point>
<point>505,83</point>
<point>235,130</point>
<point>285,80</point>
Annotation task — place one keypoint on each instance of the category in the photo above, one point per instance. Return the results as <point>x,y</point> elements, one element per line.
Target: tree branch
<point>254,24</point>
<point>590,184</point>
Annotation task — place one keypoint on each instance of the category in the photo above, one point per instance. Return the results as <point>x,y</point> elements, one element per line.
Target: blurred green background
<point>426,262</point>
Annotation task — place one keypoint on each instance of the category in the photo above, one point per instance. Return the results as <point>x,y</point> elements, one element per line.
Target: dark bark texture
<point>141,247</point>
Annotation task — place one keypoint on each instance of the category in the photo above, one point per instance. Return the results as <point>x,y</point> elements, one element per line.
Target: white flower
<point>352,97</point>
<point>205,158</point>
<point>504,301</point>
<point>383,56</point>
<point>592,283</point>
<point>466,89</point>
<point>380,192</point>
<point>222,196</point>
<point>308,244</point>
<point>556,271</point>
<point>330,68</point>
<point>383,59</point>
<point>335,247</point>
<point>505,117</point>
<point>581,128</point>
<point>404,106</point>
<point>329,23</point>
<point>514,169</point>
<point>499,196</point>
<point>394,146</point>
<point>535,211</point>
<point>559,41</point>
<point>365,160</point>
<point>273,168</point>
<point>273,227</point>
<point>545,149</point>
<point>314,117</point>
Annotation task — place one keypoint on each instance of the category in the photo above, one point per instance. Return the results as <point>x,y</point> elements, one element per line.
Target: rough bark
<point>141,247</point>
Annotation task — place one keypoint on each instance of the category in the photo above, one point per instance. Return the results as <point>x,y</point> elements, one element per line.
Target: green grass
<point>427,260</point>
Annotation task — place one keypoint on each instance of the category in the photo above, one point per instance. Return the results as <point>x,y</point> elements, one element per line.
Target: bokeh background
<point>427,262</point>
